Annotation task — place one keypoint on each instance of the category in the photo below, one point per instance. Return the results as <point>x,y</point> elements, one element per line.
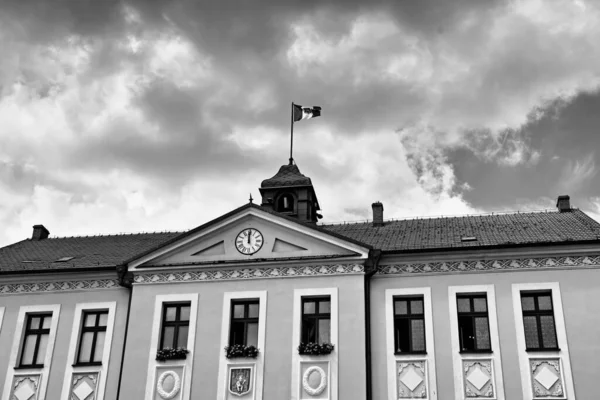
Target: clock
<point>249,241</point>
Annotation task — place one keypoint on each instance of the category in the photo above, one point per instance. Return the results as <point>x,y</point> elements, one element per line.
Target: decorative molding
<point>331,359</point>
<point>404,370</point>
<point>100,370</point>
<point>84,386</point>
<point>538,373</point>
<point>248,273</point>
<point>41,373</point>
<point>58,286</point>
<point>322,380</point>
<point>25,387</point>
<point>464,387</point>
<point>490,265</point>
<point>160,389</point>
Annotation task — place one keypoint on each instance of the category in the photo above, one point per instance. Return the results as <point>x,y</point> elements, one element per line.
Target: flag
<point>306,112</point>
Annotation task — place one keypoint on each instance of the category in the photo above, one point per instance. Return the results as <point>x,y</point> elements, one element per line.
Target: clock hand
<point>249,231</point>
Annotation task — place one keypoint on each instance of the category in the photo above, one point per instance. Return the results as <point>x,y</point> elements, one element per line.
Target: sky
<point>151,115</point>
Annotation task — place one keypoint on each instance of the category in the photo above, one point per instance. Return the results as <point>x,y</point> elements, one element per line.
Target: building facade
<point>264,303</point>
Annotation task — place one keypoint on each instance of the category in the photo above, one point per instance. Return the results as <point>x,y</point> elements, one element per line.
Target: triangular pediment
<point>268,237</point>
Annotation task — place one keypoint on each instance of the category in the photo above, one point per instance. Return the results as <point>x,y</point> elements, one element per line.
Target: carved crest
<point>240,381</point>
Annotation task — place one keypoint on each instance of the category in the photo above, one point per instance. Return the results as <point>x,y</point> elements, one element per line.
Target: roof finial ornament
<point>250,199</point>
<point>291,161</point>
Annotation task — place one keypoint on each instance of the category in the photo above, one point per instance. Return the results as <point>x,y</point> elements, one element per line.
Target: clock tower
<point>291,193</point>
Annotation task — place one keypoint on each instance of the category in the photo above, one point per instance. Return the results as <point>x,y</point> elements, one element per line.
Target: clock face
<point>249,241</point>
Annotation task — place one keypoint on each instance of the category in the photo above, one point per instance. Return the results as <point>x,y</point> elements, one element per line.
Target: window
<point>538,321</point>
<point>316,320</point>
<point>175,325</point>
<point>91,341</point>
<point>285,203</point>
<point>35,341</point>
<point>473,324</point>
<point>409,325</point>
<point>244,323</point>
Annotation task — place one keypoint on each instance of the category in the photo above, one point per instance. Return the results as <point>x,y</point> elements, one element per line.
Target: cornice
<point>248,273</point>
<point>508,264</point>
<point>59,286</point>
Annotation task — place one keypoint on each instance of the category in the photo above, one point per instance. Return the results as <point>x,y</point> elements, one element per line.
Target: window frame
<point>409,316</point>
<point>316,316</point>
<point>245,320</point>
<point>280,199</point>
<point>91,329</point>
<point>28,331</point>
<point>473,314</point>
<point>177,323</point>
<point>537,313</point>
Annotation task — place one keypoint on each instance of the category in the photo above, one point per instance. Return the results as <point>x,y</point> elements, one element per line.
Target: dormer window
<point>285,203</point>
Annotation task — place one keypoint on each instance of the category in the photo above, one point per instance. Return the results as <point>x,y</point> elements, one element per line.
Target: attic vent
<point>64,259</point>
<point>468,239</point>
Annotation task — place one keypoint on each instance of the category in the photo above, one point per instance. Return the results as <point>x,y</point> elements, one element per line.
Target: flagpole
<point>292,135</point>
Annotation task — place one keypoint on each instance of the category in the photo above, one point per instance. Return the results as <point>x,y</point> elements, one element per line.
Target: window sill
<point>89,364</point>
<point>476,352</point>
<point>542,350</point>
<point>411,353</point>
<point>37,366</point>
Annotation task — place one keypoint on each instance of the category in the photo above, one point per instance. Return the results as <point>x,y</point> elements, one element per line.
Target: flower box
<point>315,349</point>
<point>239,350</point>
<point>172,354</point>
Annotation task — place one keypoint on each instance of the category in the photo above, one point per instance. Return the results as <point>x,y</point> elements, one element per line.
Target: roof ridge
<point>113,235</point>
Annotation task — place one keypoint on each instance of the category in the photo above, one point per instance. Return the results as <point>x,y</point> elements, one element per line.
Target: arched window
<point>285,203</point>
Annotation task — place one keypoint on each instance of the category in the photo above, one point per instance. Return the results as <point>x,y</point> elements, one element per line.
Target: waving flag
<point>301,113</point>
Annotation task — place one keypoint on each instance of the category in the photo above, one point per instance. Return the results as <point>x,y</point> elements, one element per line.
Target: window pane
<point>482,333</point>
<point>548,331</point>
<point>237,333</point>
<point>324,331</point>
<point>90,320</point>
<point>28,349</point>
<point>309,330</point>
<point>47,322</point>
<point>170,313</point>
<point>252,334</point>
<point>238,311</point>
<point>168,336</point>
<point>416,307</point>
<point>252,310</point>
<point>86,347</point>
<point>418,334</point>
<point>103,319</point>
<point>464,305</point>
<point>480,304</point>
<point>466,333</point>
<point>183,336</point>
<point>100,336</point>
<point>185,313</point>
<point>42,349</point>
<point>402,335</point>
<point>527,303</point>
<point>309,307</point>
<point>35,323</point>
<point>545,302</point>
<point>401,307</point>
<point>324,307</point>
<point>531,333</point>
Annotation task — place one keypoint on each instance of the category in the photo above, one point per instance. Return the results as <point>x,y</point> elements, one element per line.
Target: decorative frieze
<point>478,379</point>
<point>25,387</point>
<point>84,386</point>
<point>489,265</point>
<point>248,273</point>
<point>411,379</point>
<point>546,378</point>
<point>58,286</point>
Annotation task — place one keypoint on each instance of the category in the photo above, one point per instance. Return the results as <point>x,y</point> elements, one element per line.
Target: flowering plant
<point>168,353</point>
<point>315,349</point>
<point>239,350</point>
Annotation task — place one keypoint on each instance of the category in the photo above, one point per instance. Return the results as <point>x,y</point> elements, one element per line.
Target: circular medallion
<point>322,385</point>
<point>176,385</point>
<point>249,241</point>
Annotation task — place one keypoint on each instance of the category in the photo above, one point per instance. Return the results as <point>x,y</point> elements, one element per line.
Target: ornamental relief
<point>478,378</point>
<point>58,286</point>
<point>84,386</point>
<point>240,381</point>
<point>546,378</point>
<point>411,379</point>
<point>489,265</point>
<point>168,383</point>
<point>25,387</point>
<point>314,380</point>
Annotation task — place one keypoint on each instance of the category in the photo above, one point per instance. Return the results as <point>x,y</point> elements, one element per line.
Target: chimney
<point>377,214</point>
<point>40,232</point>
<point>563,204</point>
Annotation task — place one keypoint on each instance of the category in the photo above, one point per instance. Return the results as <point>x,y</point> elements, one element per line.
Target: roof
<point>288,175</point>
<point>488,230</point>
<point>87,251</point>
